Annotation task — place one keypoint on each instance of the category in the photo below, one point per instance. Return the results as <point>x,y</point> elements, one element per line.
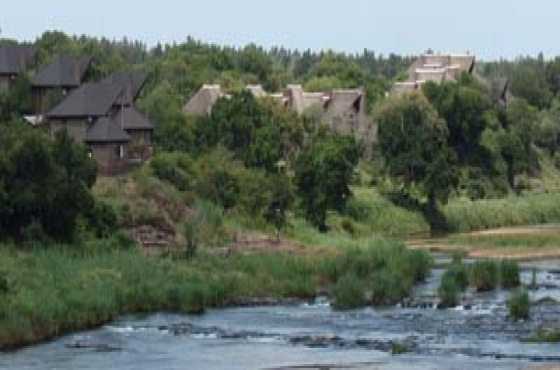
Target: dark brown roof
<point>131,82</point>
<point>89,100</point>
<point>106,130</point>
<point>64,71</point>
<point>14,59</point>
<point>131,119</point>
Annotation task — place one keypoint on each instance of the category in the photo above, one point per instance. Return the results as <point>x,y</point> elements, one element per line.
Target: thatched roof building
<point>436,68</point>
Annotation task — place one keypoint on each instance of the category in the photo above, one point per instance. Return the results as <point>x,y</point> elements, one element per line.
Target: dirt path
<point>520,253</point>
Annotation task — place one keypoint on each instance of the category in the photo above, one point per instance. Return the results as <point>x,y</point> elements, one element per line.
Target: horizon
<point>396,27</point>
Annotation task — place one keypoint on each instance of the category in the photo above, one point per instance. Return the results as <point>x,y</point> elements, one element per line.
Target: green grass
<point>545,336</point>
<point>529,209</point>
<point>520,241</point>
<point>519,305</point>
<point>48,291</point>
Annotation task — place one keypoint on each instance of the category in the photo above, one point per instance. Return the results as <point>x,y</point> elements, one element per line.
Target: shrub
<point>358,210</point>
<point>349,292</point>
<point>545,336</point>
<point>418,265</point>
<point>519,305</point>
<point>389,287</point>
<point>102,219</point>
<point>175,168</point>
<point>484,275</point>
<point>448,291</point>
<point>460,275</point>
<point>509,273</point>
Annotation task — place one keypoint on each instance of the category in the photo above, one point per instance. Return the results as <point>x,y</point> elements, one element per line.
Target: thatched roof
<point>342,101</point>
<point>89,100</point>
<point>106,130</point>
<point>131,119</point>
<point>405,87</point>
<point>437,68</point>
<point>14,59</point>
<point>202,102</point>
<point>257,91</point>
<point>64,71</point>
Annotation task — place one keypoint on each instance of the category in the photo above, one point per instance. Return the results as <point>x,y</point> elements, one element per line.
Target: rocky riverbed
<point>310,335</point>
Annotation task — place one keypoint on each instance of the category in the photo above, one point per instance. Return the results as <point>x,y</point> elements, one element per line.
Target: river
<point>310,335</point>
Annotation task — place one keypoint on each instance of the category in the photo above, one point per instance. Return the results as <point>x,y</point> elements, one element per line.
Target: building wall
<point>140,145</point>
<point>76,128</point>
<point>44,99</point>
<point>107,156</point>
<point>5,82</point>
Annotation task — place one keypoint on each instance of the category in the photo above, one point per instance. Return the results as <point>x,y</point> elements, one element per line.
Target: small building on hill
<point>14,60</point>
<point>437,68</point>
<point>203,100</point>
<point>103,116</point>
<point>343,110</point>
<point>54,81</point>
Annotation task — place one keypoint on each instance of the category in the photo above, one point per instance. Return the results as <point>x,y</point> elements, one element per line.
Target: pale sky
<point>487,28</point>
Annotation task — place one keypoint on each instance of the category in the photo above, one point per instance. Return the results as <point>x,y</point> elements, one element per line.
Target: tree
<point>281,199</point>
<point>413,140</point>
<point>518,138</point>
<point>44,185</point>
<point>258,132</point>
<point>463,106</point>
<point>16,101</point>
<point>323,173</point>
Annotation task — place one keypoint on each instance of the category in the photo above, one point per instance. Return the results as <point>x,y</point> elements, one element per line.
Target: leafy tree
<point>44,186</point>
<point>259,133</point>
<point>518,138</point>
<point>463,106</point>
<point>413,140</point>
<point>530,84</point>
<point>281,199</point>
<point>16,102</point>
<point>324,171</point>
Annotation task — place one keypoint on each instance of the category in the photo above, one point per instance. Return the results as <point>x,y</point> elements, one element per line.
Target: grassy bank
<point>371,213</point>
<point>45,292</point>
<point>527,209</point>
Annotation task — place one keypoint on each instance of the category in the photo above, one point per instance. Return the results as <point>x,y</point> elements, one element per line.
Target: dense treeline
<point>454,139</point>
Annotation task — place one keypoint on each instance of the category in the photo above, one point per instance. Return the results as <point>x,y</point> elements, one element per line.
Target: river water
<point>310,335</point>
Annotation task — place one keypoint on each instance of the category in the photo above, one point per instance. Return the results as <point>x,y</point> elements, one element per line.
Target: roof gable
<point>64,71</point>
<point>202,102</point>
<point>106,130</point>
<point>89,100</point>
<point>130,118</point>
<point>14,59</point>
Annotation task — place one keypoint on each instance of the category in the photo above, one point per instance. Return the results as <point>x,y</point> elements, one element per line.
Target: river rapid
<point>310,335</point>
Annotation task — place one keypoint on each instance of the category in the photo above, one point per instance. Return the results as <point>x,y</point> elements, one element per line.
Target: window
<point>119,151</point>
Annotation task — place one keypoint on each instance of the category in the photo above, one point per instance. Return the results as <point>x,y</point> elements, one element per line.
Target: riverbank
<point>50,291</point>
<point>525,243</point>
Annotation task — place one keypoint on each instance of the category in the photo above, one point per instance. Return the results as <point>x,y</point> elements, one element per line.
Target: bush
<point>102,219</point>
<point>519,305</point>
<point>448,291</point>
<point>176,168</point>
<point>459,274</point>
<point>389,287</point>
<point>484,276</point>
<point>349,293</point>
<point>509,271</point>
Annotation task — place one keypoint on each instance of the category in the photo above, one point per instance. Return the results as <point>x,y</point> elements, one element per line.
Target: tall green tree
<point>44,185</point>
<point>413,140</point>
<point>323,171</point>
